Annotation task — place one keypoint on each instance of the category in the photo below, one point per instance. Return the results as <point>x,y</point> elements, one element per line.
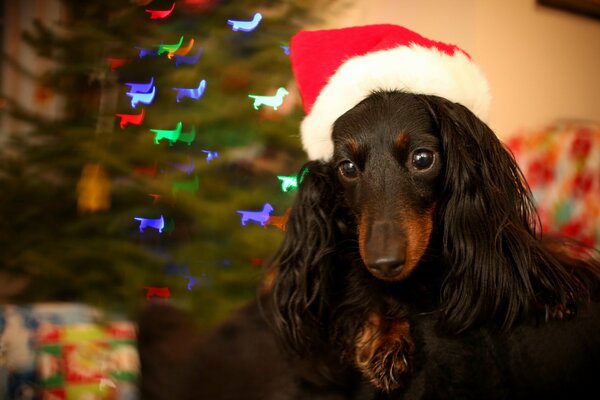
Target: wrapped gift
<point>19,325</point>
<point>63,351</point>
<point>88,361</point>
<point>561,163</point>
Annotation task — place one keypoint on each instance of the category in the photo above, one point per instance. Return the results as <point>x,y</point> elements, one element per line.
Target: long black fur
<point>554,360</point>
<point>485,267</point>
<point>489,310</point>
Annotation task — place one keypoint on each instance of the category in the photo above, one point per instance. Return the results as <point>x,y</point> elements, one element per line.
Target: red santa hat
<point>335,69</point>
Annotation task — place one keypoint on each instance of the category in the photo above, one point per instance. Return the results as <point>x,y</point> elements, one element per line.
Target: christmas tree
<point>160,142</point>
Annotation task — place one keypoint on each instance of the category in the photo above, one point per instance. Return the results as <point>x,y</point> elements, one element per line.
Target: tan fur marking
<point>418,232</point>
<point>383,351</point>
<point>401,141</point>
<point>353,147</point>
<point>362,235</point>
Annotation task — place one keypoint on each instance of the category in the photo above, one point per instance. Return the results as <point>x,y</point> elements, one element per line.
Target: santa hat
<point>335,69</point>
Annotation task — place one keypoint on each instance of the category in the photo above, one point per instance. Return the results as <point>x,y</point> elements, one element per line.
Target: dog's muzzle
<point>384,250</point>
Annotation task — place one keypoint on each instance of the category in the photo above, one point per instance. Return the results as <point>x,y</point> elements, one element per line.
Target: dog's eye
<point>423,159</point>
<point>348,170</point>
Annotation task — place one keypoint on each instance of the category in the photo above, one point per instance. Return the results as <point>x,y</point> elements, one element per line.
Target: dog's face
<point>388,160</point>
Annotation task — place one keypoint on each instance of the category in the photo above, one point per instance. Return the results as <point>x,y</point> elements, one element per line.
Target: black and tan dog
<point>412,265</point>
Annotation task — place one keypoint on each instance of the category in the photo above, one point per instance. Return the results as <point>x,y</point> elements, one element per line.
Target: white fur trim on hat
<point>413,69</point>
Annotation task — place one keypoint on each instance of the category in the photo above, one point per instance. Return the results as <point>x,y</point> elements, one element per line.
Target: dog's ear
<point>497,266</point>
<point>303,261</point>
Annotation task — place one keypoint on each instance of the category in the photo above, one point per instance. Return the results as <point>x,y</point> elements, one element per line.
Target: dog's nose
<point>387,267</point>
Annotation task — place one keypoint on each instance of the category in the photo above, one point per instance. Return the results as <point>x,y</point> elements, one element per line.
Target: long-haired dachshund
<point>411,268</point>
<point>415,255</point>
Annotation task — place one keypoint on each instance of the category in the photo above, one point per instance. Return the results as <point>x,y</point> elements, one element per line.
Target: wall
<point>543,64</point>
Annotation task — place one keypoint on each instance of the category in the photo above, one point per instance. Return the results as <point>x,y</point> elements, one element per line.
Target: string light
<point>157,223</point>
<point>260,217</point>
<point>117,62</point>
<point>162,292</point>
<point>159,14</point>
<point>288,182</point>
<point>187,59</point>
<point>279,221</point>
<point>182,51</point>
<point>134,119</point>
<point>192,281</point>
<point>188,137</point>
<point>210,155</point>
<point>273,101</point>
<point>246,26</point>
<point>147,52</point>
<point>171,135</point>
<point>169,48</point>
<point>140,87</point>
<point>144,98</point>
<point>194,93</point>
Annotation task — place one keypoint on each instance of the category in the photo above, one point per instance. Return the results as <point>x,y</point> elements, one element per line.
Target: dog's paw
<point>384,353</point>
